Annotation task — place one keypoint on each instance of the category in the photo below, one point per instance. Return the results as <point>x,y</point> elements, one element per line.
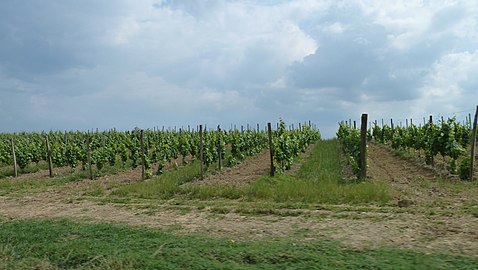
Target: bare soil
<point>249,170</point>
<point>242,174</point>
<point>424,215</point>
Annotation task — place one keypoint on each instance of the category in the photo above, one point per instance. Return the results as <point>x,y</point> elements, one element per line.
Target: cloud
<point>124,63</point>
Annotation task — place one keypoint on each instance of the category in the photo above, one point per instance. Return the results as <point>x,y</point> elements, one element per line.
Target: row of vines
<point>124,149</point>
<point>349,139</point>
<point>448,139</point>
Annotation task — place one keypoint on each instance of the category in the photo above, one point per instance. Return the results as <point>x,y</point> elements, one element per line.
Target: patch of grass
<point>62,244</point>
<point>471,208</point>
<point>95,190</point>
<point>32,185</point>
<point>166,186</point>
<point>267,209</point>
<point>318,181</point>
<point>28,186</point>
<point>7,171</point>
<point>220,210</point>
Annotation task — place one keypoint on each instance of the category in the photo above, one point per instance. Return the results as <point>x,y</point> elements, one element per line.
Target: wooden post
<point>88,151</point>
<point>201,158</point>
<point>219,147</point>
<point>48,152</point>
<point>473,145</point>
<point>143,160</point>
<point>431,119</point>
<point>66,148</point>
<point>406,123</point>
<point>391,124</point>
<point>469,118</point>
<point>271,148</point>
<point>363,147</point>
<point>355,124</point>
<point>15,168</point>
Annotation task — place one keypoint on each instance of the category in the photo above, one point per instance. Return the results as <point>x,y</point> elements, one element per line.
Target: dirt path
<point>356,229</point>
<point>383,164</point>
<point>415,184</point>
<point>242,174</point>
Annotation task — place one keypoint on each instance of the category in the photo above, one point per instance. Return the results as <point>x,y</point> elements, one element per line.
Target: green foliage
<point>111,147</point>
<point>288,144</point>
<point>448,138</point>
<point>464,169</point>
<point>349,138</point>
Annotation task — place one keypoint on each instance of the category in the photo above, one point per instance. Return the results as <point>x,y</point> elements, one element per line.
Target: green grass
<point>62,244</point>
<point>318,181</point>
<point>166,186</point>
<point>7,171</point>
<point>29,185</point>
<point>11,186</point>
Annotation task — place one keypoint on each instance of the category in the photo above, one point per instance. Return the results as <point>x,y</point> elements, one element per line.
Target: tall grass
<point>319,180</point>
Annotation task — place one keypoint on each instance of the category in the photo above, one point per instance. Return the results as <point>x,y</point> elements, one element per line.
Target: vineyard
<point>267,198</point>
<point>151,149</point>
<point>448,139</point>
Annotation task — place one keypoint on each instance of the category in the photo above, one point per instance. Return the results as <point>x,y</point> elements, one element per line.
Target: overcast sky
<point>78,65</point>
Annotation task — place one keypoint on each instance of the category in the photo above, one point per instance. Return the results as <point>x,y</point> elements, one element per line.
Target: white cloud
<point>336,28</point>
<point>149,61</point>
<point>449,73</point>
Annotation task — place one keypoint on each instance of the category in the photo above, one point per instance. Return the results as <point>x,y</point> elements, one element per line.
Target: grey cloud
<point>75,64</point>
<point>360,61</point>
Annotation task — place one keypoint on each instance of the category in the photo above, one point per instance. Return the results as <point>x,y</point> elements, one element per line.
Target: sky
<point>78,65</point>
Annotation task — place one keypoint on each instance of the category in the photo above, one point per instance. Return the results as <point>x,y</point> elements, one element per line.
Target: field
<point>405,215</point>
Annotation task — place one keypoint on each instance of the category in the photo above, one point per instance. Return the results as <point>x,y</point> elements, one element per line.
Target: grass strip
<point>63,244</point>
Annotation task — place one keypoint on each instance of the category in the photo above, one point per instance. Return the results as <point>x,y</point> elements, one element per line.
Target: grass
<point>31,185</point>
<point>62,244</point>
<point>7,171</point>
<point>166,186</point>
<point>318,181</point>
<point>34,185</point>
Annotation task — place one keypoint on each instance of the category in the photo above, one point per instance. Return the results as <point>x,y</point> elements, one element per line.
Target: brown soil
<point>408,222</point>
<point>241,174</point>
<point>248,170</point>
